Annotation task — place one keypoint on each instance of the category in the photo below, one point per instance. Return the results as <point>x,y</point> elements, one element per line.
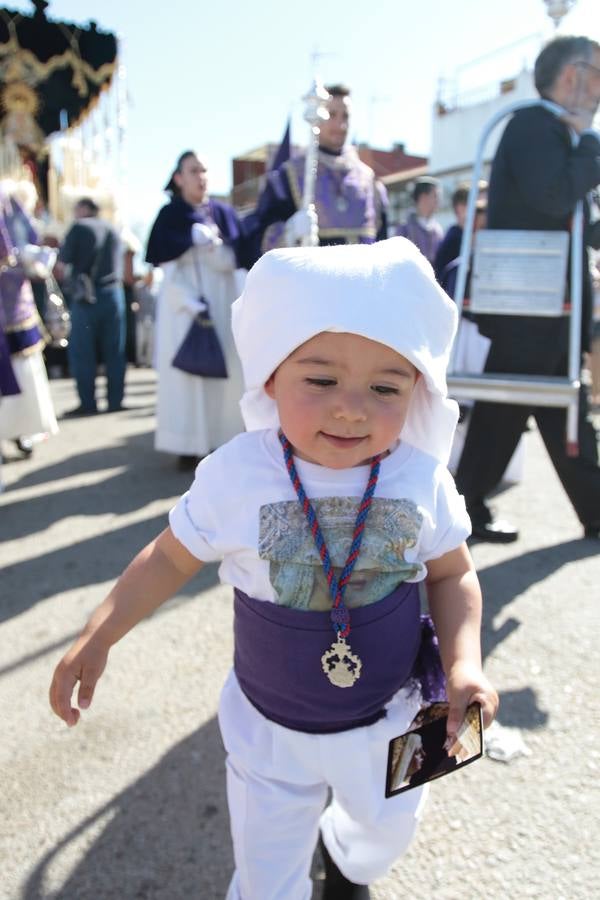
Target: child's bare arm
<point>156,573</point>
<point>455,605</point>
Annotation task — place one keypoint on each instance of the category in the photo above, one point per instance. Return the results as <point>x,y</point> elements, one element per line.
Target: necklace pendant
<point>341,666</point>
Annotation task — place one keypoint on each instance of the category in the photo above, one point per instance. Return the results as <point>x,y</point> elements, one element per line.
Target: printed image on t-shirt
<point>295,569</point>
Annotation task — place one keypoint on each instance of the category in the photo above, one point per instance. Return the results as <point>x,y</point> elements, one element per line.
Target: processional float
<point>62,111</point>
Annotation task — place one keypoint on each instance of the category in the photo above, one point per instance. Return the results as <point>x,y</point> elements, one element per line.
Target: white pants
<point>278,782</point>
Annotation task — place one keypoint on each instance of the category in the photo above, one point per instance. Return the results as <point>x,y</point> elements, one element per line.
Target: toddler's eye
<point>384,389</point>
<point>321,382</point>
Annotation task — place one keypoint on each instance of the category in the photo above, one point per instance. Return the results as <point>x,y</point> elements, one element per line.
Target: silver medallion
<point>341,666</point>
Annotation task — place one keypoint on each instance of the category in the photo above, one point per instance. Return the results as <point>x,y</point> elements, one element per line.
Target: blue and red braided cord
<point>340,616</point>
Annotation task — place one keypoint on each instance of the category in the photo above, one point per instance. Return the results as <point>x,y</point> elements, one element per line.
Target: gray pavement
<point>131,803</point>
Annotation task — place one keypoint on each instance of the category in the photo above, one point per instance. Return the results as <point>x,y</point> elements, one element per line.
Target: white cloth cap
<point>385,291</point>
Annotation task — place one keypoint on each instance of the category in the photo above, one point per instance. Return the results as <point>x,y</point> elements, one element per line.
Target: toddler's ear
<point>270,387</point>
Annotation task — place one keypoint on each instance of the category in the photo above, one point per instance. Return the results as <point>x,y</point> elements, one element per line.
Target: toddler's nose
<point>350,407</point>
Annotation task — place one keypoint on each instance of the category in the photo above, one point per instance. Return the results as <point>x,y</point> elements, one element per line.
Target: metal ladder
<point>526,390</point>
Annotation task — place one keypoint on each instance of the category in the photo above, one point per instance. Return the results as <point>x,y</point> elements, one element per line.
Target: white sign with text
<point>519,273</point>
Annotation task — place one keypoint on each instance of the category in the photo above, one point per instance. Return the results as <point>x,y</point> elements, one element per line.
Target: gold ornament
<point>20,103</point>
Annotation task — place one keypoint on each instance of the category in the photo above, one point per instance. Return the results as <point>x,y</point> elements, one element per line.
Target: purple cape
<point>171,234</point>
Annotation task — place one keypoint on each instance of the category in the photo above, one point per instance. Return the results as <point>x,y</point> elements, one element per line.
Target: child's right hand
<point>157,572</point>
<point>84,663</point>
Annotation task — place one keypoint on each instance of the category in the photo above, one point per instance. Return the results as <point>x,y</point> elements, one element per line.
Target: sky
<point>222,76</point>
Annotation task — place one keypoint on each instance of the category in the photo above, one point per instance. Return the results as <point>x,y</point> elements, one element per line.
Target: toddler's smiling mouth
<point>339,441</point>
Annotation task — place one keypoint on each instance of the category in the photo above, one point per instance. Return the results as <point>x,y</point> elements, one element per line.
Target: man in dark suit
<point>546,161</point>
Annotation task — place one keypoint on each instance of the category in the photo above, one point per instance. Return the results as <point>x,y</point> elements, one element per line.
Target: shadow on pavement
<point>504,581</point>
<point>519,709</point>
<point>66,641</point>
<point>168,834</point>
<point>88,562</point>
<point>141,388</point>
<point>136,452</point>
<point>501,584</point>
<point>143,479</point>
<point>205,579</point>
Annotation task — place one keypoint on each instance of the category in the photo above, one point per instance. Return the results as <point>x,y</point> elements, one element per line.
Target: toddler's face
<point>342,398</point>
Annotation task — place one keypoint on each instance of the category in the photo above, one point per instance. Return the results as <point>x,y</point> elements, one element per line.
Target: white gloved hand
<point>38,262</point>
<point>205,235</point>
<point>193,306</point>
<point>303,227</point>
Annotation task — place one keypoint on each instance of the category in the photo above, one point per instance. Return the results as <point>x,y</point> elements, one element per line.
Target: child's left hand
<point>467,684</point>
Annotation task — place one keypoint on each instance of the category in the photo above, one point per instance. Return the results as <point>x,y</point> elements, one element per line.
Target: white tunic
<point>196,415</point>
<point>32,411</point>
<point>265,548</point>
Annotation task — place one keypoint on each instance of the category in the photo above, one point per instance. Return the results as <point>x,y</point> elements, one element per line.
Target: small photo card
<point>423,753</point>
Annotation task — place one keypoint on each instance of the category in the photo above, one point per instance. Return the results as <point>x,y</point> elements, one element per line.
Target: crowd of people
<point>198,247</point>
<point>331,385</point>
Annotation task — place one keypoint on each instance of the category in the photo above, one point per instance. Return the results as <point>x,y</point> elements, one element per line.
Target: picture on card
<point>424,752</point>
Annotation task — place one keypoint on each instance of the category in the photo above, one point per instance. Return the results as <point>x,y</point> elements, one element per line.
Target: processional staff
<point>315,112</point>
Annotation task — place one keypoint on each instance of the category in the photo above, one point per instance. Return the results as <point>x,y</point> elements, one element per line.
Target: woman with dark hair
<point>197,243</point>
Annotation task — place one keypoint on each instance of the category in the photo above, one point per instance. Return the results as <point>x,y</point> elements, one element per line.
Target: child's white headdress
<point>385,291</point>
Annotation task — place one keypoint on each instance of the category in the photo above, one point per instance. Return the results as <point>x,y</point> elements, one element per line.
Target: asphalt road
<point>131,803</point>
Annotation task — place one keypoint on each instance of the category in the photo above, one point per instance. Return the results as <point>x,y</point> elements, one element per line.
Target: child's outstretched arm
<point>455,605</point>
<point>156,573</point>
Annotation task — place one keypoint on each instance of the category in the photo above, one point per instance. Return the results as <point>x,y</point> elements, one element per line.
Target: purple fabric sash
<point>278,651</point>
<point>8,383</point>
<point>23,340</point>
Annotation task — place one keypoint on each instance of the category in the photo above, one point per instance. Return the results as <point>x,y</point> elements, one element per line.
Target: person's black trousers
<point>530,347</point>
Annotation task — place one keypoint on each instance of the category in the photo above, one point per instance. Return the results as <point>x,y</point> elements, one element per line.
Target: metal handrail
<point>566,390</point>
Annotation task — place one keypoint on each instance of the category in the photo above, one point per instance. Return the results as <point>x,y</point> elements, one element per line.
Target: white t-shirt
<point>243,510</point>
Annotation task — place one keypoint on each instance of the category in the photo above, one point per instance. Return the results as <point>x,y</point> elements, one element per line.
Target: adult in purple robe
<point>29,409</point>
<point>351,204</point>
<point>421,227</point>
<point>21,322</point>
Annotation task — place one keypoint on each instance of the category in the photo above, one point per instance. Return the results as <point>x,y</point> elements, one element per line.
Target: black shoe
<point>592,532</point>
<point>120,408</point>
<point>187,463</point>
<point>337,886</point>
<point>79,412</point>
<point>495,532</point>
